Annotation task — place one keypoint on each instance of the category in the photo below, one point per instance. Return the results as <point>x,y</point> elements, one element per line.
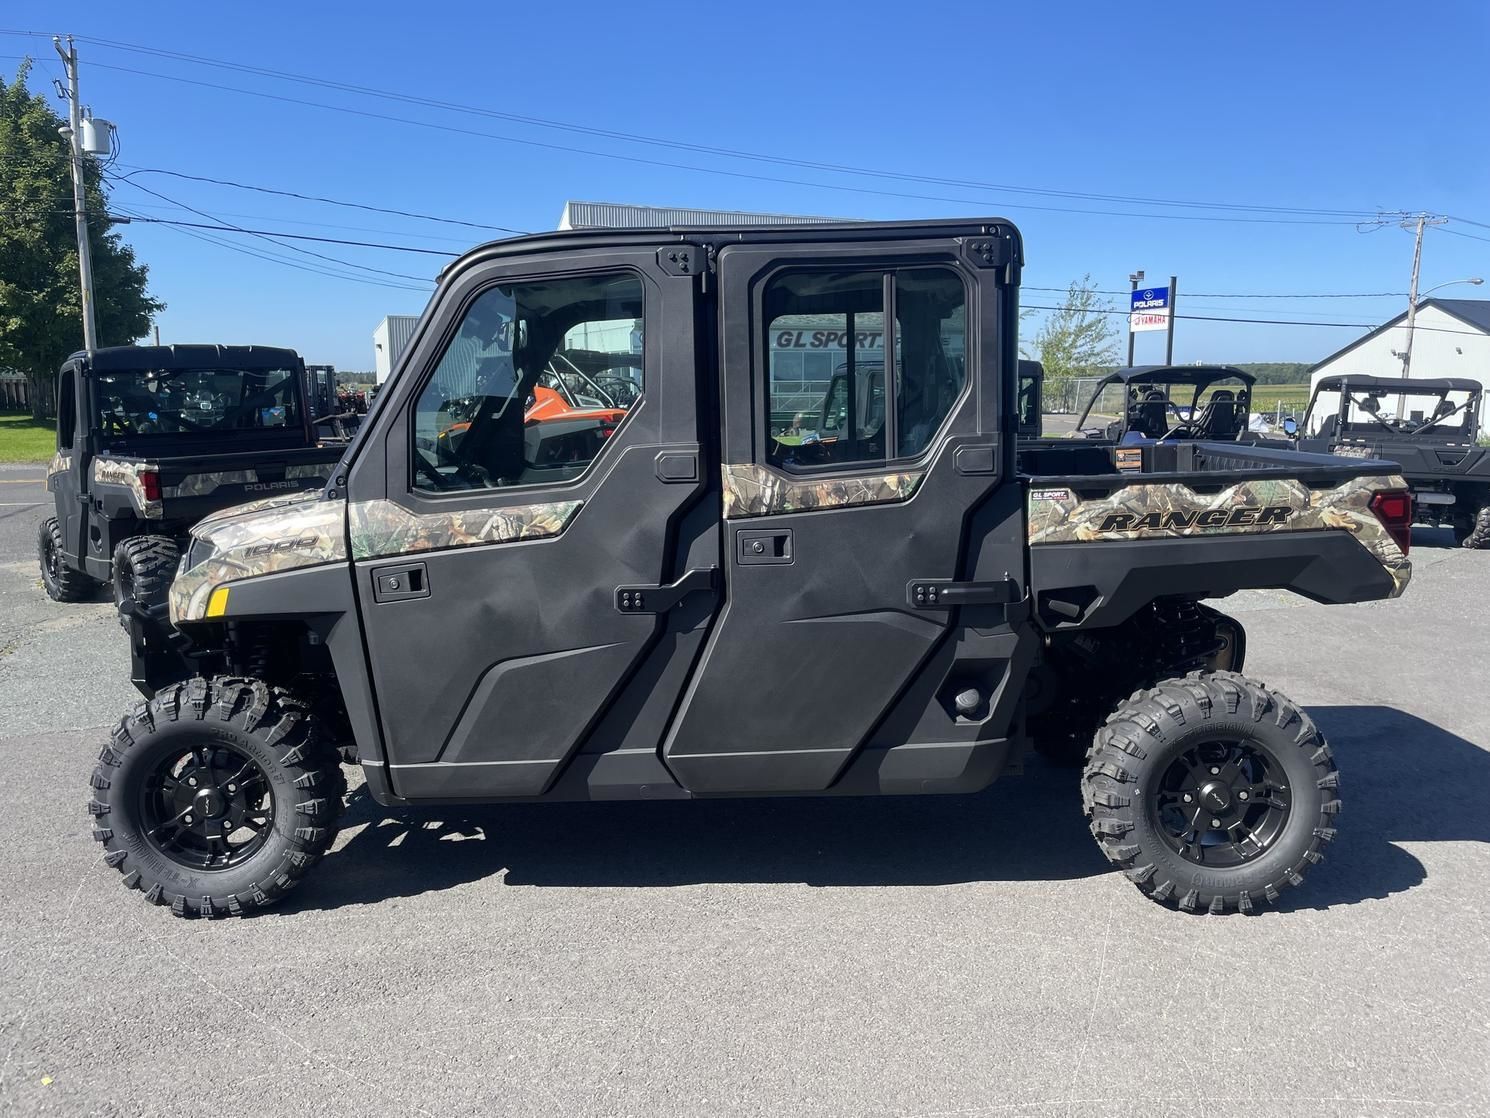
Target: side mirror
<point>1290,427</point>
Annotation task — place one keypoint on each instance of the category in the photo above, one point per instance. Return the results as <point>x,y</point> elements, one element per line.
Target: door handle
<point>776,546</point>
<point>401,582</point>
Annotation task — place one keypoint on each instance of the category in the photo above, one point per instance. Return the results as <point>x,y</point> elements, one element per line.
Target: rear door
<point>868,444</point>
<point>516,577</point>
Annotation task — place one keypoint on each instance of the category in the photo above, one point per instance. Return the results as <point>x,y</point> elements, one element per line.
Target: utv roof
<point>1175,374</point>
<point>126,358</point>
<point>568,239</point>
<point>1398,384</point>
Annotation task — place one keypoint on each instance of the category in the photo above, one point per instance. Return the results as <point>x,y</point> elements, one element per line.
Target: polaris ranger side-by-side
<point>1163,402</point>
<point>150,439</point>
<point>1429,427</point>
<point>679,605</point>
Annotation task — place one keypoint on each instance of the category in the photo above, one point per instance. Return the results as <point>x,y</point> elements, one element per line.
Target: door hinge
<point>943,593</point>
<point>660,599</point>
<point>683,260</point>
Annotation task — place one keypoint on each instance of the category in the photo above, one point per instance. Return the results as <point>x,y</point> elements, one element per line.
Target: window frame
<point>67,408</point>
<point>649,307</point>
<point>761,363</point>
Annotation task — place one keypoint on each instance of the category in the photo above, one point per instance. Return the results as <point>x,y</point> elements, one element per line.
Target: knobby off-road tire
<point>143,569</point>
<point>1252,763</point>
<point>217,796</point>
<point>1479,535</point>
<point>61,582</point>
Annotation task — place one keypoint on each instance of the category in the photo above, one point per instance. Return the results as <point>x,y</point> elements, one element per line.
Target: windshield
<point>1375,410</point>
<point>196,401</point>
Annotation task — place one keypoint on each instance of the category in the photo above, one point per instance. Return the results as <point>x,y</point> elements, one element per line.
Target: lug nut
<point>232,787</point>
<point>1215,822</point>
<point>192,781</point>
<point>187,819</point>
<point>1241,795</point>
<point>1188,797</point>
<point>1215,771</point>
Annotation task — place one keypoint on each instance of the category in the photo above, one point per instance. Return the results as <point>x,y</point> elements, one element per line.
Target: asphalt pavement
<point>916,957</point>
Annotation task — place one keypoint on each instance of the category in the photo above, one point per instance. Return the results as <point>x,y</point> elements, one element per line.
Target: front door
<point>868,407</point>
<point>534,476</point>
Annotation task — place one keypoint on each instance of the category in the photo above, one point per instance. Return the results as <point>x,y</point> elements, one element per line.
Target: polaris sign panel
<point>1150,309</point>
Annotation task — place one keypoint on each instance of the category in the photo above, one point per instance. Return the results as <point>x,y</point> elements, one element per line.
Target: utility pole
<point>1174,289</point>
<point>79,194</point>
<point>1422,220</point>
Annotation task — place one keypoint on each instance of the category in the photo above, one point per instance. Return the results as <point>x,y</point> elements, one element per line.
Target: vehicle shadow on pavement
<point>1027,827</point>
<point>1404,779</point>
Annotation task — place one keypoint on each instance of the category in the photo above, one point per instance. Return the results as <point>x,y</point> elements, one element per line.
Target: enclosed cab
<point>1430,427</point>
<point>689,599</point>
<point>151,439</point>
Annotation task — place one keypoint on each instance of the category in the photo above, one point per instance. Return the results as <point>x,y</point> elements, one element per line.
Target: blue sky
<point>1323,107</point>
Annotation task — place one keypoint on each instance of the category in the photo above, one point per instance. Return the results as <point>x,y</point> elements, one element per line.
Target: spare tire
<point>143,569</point>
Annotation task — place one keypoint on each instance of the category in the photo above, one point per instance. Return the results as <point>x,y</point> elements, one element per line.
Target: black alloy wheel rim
<point>208,807</point>
<point>1223,803</point>
<point>54,558</point>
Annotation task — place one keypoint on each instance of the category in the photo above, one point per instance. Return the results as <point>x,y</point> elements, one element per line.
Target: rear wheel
<point>1478,536</point>
<point>62,582</point>
<point>143,569</point>
<point>217,796</point>
<point>1211,792</point>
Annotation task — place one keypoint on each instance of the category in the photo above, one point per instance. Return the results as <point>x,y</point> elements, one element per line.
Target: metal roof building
<point>615,215</point>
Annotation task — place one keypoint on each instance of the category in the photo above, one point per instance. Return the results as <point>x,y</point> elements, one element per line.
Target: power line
<point>291,236</point>
<point>274,240</point>
<point>843,187</point>
<point>731,153</point>
<point>1268,321</point>
<point>318,198</point>
<point>297,265</point>
<point>1258,295</point>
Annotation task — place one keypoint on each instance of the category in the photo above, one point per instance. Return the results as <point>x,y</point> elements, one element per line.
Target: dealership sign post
<point>1152,308</point>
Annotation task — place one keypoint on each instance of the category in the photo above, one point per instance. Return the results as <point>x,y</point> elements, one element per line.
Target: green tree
<point>1079,339</point>
<point>41,317</point>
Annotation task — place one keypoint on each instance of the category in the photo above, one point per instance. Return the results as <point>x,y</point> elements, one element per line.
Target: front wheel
<point>216,797</point>
<point>1211,792</point>
<point>62,582</point>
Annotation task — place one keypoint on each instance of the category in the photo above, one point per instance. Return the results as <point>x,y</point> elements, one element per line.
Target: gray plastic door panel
<point>494,637</point>
<point>820,634</point>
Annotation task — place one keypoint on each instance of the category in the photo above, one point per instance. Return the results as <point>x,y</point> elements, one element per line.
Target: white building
<point>1451,338</point>
<point>389,341</point>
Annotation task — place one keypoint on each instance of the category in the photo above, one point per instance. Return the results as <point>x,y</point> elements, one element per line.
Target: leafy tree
<point>41,317</point>
<point>1078,339</point>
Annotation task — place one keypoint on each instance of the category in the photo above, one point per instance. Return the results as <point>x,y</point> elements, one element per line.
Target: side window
<point>67,410</point>
<point>533,385</point>
<point>829,400</point>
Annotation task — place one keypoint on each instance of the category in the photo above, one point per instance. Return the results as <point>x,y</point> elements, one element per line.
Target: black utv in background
<point>1170,403</point>
<point>150,439</point>
<point>684,599</point>
<point>1430,428</point>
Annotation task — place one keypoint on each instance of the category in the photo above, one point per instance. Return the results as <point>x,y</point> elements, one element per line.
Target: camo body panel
<point>126,473</point>
<point>1066,518</point>
<point>752,490</point>
<point>204,484</point>
<point>260,538</point>
<point>382,528</point>
<point>61,462</point>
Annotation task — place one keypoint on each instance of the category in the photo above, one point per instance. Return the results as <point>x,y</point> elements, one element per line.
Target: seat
<point>1220,420</point>
<point>1153,414</point>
